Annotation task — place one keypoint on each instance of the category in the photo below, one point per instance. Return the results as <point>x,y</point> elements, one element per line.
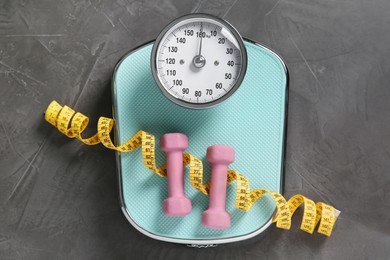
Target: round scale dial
<point>199,60</point>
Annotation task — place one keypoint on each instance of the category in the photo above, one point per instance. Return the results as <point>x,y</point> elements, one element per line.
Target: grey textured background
<point>58,197</point>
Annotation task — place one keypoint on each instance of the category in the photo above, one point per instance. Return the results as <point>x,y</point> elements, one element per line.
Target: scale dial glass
<point>199,60</point>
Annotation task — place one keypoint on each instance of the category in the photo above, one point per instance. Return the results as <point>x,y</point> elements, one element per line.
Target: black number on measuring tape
<point>218,85</point>
<point>198,93</point>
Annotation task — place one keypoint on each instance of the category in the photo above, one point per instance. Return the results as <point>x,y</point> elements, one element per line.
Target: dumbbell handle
<point>177,204</point>
<point>218,186</point>
<point>216,216</point>
<point>175,173</point>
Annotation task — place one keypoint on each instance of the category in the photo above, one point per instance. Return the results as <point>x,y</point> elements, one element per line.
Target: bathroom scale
<point>241,102</point>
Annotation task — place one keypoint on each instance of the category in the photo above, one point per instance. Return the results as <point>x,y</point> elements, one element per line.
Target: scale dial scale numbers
<point>198,61</point>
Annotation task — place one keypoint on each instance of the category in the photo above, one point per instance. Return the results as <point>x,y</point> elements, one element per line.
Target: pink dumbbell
<point>177,204</point>
<point>216,216</point>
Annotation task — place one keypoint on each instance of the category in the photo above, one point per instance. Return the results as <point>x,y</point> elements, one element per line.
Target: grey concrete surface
<point>59,198</point>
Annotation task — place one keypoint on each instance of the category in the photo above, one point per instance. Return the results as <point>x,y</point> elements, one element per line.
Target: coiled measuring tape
<point>72,124</point>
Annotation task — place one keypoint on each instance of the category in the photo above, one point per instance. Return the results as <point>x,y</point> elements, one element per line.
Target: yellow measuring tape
<point>72,124</point>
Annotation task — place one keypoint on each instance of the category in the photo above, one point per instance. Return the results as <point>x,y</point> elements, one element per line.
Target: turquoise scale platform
<point>252,121</point>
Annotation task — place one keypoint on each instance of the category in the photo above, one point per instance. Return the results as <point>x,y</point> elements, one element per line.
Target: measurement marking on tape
<point>72,124</point>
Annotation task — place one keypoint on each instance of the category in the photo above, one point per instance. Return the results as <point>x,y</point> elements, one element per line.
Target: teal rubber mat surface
<point>252,121</point>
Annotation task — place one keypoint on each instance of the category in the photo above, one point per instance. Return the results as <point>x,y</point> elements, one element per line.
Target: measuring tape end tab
<point>337,213</point>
